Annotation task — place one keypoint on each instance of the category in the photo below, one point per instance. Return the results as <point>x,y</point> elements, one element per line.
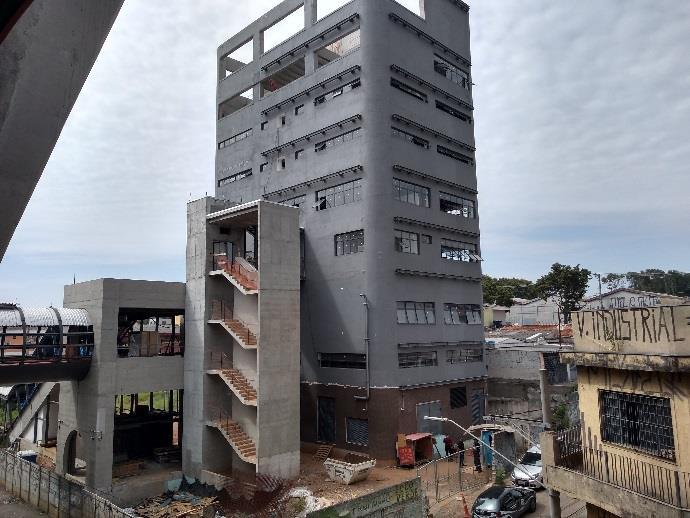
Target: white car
<point>529,470</point>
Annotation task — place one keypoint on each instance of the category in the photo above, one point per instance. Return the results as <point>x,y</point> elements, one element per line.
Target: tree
<point>502,290</point>
<point>672,282</point>
<point>613,281</point>
<point>567,285</point>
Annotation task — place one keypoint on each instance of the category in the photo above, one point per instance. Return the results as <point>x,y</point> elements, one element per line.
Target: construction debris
<point>177,505</point>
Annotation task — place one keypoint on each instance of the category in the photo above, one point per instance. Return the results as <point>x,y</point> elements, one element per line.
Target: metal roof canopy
<point>17,316</point>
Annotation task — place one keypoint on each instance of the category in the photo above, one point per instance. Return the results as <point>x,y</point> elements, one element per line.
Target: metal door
<point>325,420</point>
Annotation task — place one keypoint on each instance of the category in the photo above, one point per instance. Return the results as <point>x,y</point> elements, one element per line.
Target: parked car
<point>529,471</point>
<point>504,502</point>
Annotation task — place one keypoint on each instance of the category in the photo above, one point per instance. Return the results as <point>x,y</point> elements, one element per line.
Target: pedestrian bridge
<point>44,344</point>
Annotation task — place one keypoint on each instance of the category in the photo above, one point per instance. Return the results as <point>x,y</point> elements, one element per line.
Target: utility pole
<point>554,496</point>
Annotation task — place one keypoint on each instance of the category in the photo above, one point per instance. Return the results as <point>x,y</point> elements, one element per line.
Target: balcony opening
<point>338,48</point>
<point>235,103</point>
<point>326,7</point>
<point>283,29</point>
<point>236,59</point>
<point>414,6</point>
<point>144,332</point>
<point>283,77</point>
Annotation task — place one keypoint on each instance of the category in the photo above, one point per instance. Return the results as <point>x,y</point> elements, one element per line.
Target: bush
<point>500,476</point>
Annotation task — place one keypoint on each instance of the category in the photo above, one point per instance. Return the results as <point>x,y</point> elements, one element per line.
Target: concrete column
<point>310,13</point>
<point>554,503</point>
<point>258,45</point>
<point>545,390</point>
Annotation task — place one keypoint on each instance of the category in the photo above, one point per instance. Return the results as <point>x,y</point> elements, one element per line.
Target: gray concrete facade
<point>87,408</point>
<point>283,151</point>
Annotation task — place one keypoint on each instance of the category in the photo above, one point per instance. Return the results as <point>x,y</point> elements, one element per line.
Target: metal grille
<point>638,421</point>
<point>357,431</point>
<point>458,397</point>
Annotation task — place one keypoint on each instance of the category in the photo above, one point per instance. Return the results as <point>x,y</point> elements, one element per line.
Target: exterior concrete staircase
<point>239,440</point>
<point>240,273</point>
<point>242,334</point>
<point>29,411</point>
<point>239,385</point>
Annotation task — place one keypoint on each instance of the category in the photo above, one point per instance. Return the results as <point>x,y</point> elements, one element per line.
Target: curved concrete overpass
<point>47,49</point>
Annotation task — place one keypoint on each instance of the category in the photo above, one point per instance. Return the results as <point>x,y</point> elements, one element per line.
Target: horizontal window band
<point>435,89</point>
<point>443,382</point>
<point>433,41</point>
<point>437,134</point>
<point>436,275</point>
<point>431,178</point>
<point>307,138</point>
<point>434,226</point>
<point>319,86</point>
<point>473,345</point>
<point>323,179</point>
<point>318,38</point>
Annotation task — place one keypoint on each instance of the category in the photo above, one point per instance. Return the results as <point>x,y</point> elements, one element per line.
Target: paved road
<point>12,507</point>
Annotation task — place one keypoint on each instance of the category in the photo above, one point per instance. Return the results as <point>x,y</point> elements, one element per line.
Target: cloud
<point>582,116</point>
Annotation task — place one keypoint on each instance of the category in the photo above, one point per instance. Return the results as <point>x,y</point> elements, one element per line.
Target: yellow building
<point>630,457</point>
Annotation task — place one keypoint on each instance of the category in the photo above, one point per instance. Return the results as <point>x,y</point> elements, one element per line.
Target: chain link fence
<point>447,476</point>
<point>52,493</point>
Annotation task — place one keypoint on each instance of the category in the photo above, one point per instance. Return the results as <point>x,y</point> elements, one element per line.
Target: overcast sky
<point>582,126</point>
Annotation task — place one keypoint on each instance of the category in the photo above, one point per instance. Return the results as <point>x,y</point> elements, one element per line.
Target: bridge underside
<point>41,371</point>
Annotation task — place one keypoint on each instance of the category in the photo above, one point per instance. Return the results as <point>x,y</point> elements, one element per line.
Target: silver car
<point>529,471</point>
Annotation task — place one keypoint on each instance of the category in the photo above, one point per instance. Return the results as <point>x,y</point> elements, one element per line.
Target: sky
<point>582,117</point>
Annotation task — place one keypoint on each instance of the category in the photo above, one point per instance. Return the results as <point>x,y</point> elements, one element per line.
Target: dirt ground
<point>12,507</point>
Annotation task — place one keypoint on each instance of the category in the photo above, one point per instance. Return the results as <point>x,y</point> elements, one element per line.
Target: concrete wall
<point>87,407</point>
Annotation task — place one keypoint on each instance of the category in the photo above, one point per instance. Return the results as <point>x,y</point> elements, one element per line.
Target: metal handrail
<point>234,267</point>
<point>221,310</point>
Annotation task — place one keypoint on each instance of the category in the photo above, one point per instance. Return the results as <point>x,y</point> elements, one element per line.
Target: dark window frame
<point>458,397</point>
<point>340,194</point>
<point>407,89</point>
<point>342,360</point>
<point>453,112</point>
<point>234,177</point>
<point>415,359</point>
<point>402,191</point>
<point>410,137</point>
<point>461,314</point>
<point>455,155</point>
<point>410,312</point>
<point>457,205</point>
<point>348,243</point>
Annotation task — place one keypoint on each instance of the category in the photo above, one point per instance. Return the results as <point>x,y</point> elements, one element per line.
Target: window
<point>342,46</point>
<point>416,312</point>
<point>299,109</point>
<point>263,167</point>
<point>281,120</point>
<point>234,177</point>
<point>337,92</point>
<point>411,193</point>
<point>342,360</point>
<point>356,431</point>
<point>235,138</point>
<point>408,90</point>
<point>455,155</point>
<point>459,251</point>
<point>458,397</point>
<point>451,72</point>
<point>452,111</point>
<point>397,132</point>
<point>406,242</point>
<point>349,242</point>
<point>297,201</point>
<point>299,153</point>
<point>456,205</point>
<point>456,314</point>
<point>638,421</point>
<point>263,125</point>
<point>417,359</point>
<point>464,355</point>
<point>426,239</point>
<point>342,194</point>
<point>337,140</point>
<point>280,164</point>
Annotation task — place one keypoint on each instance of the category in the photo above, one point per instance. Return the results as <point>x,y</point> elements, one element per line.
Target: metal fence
<point>51,493</point>
<point>648,479</point>
<point>447,476</point>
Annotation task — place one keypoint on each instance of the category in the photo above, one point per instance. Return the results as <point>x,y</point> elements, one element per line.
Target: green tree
<point>672,282</point>
<point>613,281</point>
<point>567,285</point>
<point>502,290</point>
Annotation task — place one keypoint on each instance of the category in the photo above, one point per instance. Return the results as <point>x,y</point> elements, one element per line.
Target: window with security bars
<point>349,242</point>
<point>638,421</point>
<point>459,251</point>
<point>411,193</point>
<point>356,431</point>
<point>406,242</point>
<point>455,314</point>
<point>451,72</point>
<point>343,194</point>
<point>337,140</point>
<point>465,355</point>
<point>455,205</point>
<point>416,312</point>
<point>417,359</point>
<point>418,141</point>
<point>458,397</point>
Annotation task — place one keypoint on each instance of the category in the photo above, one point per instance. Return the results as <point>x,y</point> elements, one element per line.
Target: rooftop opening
<point>414,6</point>
<point>235,103</point>
<point>236,59</point>
<point>326,7</point>
<point>339,48</point>
<point>283,77</point>
<point>284,29</point>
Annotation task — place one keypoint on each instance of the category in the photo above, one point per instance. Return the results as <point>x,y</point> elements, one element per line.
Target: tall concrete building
<point>363,119</point>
